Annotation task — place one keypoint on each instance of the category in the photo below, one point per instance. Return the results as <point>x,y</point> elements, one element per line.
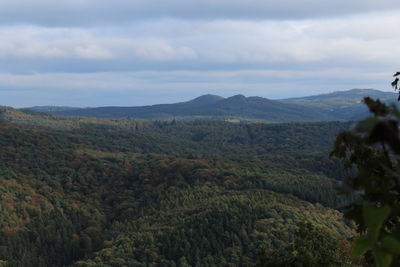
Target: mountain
<point>206,107</point>
<point>336,106</point>
<point>206,99</point>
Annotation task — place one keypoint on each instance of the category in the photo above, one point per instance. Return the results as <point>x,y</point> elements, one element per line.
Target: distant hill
<point>344,105</point>
<point>337,106</point>
<point>50,109</point>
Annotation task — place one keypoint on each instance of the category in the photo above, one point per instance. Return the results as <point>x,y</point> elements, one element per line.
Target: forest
<point>78,191</point>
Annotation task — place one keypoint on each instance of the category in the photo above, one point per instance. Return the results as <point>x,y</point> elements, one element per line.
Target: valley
<point>117,192</point>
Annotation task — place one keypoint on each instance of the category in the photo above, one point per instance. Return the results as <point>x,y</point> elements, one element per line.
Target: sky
<point>85,53</point>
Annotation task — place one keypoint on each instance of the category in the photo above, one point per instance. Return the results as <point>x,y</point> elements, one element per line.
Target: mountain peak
<point>240,98</point>
<point>206,99</point>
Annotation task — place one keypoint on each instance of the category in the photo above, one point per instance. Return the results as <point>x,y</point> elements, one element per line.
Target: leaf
<point>391,245</point>
<point>386,131</point>
<point>394,83</point>
<point>361,245</point>
<point>374,218</point>
<point>376,106</point>
<point>382,258</point>
<point>367,124</point>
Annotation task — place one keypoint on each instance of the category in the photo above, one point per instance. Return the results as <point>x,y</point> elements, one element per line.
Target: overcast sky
<point>130,52</point>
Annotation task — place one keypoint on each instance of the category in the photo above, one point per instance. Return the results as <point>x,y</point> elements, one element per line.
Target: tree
<point>312,246</point>
<point>371,151</point>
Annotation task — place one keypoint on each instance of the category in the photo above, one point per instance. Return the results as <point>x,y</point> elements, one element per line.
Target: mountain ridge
<point>339,105</point>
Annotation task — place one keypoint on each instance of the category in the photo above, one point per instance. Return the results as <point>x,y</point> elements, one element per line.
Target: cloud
<point>81,52</point>
<point>93,52</point>
<point>208,45</point>
<point>154,87</point>
<point>107,12</point>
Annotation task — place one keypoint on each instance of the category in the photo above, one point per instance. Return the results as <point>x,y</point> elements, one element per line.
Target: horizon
<point>207,94</point>
<point>97,53</point>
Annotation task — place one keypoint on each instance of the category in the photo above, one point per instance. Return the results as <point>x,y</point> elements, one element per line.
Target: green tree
<point>312,247</point>
<point>371,150</point>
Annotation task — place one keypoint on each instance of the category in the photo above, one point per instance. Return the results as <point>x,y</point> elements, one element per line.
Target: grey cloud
<point>109,12</point>
<point>133,55</point>
<point>214,45</point>
<point>140,88</point>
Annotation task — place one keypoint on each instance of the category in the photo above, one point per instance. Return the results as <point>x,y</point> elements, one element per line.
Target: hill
<point>344,105</point>
<point>204,107</point>
<point>50,109</point>
<point>337,106</point>
<point>97,192</point>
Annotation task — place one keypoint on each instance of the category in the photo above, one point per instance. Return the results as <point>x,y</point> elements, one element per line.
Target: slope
<point>344,105</point>
<point>97,192</point>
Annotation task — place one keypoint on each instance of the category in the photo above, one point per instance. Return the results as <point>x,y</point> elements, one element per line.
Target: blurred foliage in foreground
<point>372,148</point>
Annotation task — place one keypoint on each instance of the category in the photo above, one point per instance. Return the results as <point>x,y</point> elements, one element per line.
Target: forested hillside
<point>96,192</point>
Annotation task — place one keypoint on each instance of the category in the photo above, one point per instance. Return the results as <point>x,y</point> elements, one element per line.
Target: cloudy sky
<point>131,52</point>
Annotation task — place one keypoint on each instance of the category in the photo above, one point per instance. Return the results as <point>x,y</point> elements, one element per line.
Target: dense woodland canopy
<point>95,192</point>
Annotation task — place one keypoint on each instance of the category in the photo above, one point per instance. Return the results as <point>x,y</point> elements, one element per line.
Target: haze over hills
<point>336,106</point>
